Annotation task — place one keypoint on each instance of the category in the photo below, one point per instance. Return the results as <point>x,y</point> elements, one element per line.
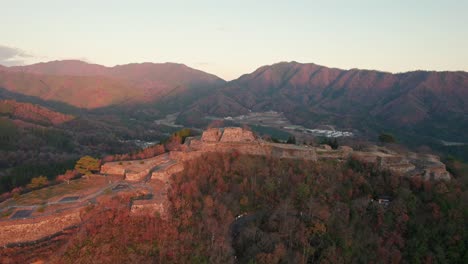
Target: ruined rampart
<point>26,230</point>
<point>154,174</point>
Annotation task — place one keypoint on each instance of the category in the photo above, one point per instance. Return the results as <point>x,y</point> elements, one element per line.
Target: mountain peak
<point>90,85</point>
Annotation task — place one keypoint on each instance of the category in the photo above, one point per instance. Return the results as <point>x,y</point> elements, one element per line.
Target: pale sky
<point>230,38</point>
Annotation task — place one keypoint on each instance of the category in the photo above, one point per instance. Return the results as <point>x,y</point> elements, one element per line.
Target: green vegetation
<point>87,165</point>
<point>41,209</point>
<point>182,134</point>
<point>21,175</point>
<point>332,142</point>
<point>291,140</point>
<point>387,138</point>
<point>39,196</point>
<point>249,209</point>
<point>7,213</point>
<point>275,134</point>
<point>6,109</point>
<point>316,212</point>
<point>54,138</point>
<point>38,182</point>
<point>8,134</point>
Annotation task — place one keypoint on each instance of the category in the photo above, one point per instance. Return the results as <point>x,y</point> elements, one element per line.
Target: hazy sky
<point>229,38</point>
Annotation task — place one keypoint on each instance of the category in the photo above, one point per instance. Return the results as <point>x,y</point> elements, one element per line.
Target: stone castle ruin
<point>153,175</point>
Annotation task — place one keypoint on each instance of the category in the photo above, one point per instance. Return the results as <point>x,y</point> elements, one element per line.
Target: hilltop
<point>228,183</point>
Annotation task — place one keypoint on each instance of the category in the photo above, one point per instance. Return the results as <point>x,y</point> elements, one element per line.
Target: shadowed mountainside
<point>420,107</point>
<point>311,95</point>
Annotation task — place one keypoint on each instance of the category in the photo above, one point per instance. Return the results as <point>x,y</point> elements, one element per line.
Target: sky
<point>231,38</point>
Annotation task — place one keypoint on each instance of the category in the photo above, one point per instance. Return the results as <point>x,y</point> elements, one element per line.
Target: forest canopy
<point>226,208</point>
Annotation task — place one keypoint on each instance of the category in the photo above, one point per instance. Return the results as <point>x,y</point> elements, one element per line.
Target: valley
<point>174,162</point>
<point>272,119</point>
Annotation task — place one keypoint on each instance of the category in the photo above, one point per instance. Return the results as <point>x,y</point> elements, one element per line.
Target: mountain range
<point>418,104</point>
<point>311,95</point>
<point>93,86</point>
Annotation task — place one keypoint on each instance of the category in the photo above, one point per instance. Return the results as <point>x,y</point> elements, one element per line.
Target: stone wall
<point>113,168</point>
<point>28,230</point>
<point>184,156</point>
<point>149,208</point>
<point>137,176</point>
<point>164,175</point>
<point>133,170</point>
<point>407,164</point>
<point>283,151</point>
<point>436,172</point>
<point>237,134</point>
<point>211,135</point>
<point>338,154</point>
<point>216,140</point>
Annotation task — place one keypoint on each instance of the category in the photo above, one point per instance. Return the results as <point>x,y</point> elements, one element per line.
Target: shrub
<point>38,182</point>
<point>41,209</point>
<point>387,138</point>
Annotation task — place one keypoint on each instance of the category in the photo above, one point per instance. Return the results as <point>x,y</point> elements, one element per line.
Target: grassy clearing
<point>76,187</point>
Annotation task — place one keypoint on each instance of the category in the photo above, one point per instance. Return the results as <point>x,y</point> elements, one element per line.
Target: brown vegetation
<point>226,207</point>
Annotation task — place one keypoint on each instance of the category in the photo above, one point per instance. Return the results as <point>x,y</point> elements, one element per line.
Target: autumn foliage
<point>232,208</point>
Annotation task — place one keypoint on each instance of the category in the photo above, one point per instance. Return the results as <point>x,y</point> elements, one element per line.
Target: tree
<point>67,176</point>
<point>87,165</point>
<point>387,138</point>
<point>183,134</point>
<point>38,182</point>
<point>291,140</point>
<point>333,143</point>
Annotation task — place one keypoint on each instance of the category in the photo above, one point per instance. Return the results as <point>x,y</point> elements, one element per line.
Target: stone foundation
<point>28,230</point>
<point>113,168</point>
<point>137,176</point>
<point>227,140</point>
<point>164,175</point>
<point>237,134</point>
<point>149,208</point>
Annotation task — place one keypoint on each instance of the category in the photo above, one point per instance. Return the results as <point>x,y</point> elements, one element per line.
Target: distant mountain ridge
<point>433,104</point>
<point>93,86</point>
<point>311,95</point>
